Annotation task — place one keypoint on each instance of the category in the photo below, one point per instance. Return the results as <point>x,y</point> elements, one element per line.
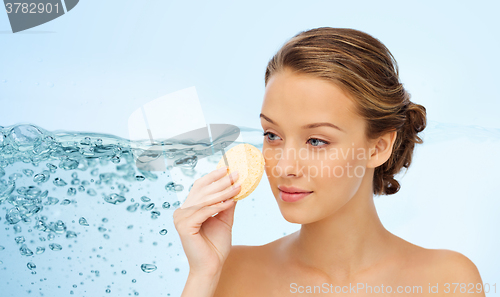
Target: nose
<point>288,162</point>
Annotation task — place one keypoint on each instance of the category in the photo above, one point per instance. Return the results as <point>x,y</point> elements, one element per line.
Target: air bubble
<point>148,268</point>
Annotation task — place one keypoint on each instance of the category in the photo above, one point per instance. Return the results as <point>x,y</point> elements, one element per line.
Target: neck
<point>346,243</point>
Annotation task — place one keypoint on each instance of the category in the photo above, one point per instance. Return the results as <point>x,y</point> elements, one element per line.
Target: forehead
<point>301,98</point>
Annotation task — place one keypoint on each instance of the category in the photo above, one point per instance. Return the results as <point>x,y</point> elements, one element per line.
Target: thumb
<point>227,215</point>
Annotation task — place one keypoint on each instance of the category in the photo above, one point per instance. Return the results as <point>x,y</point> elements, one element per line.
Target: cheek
<point>339,171</point>
<point>270,161</point>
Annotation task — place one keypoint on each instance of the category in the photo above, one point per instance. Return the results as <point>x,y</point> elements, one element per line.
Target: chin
<point>296,215</point>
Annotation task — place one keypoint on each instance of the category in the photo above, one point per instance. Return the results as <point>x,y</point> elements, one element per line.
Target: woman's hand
<point>207,240</point>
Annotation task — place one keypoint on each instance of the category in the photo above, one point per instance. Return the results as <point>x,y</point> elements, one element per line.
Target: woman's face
<point>325,160</point>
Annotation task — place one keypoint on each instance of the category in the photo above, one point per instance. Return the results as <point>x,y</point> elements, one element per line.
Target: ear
<point>380,149</point>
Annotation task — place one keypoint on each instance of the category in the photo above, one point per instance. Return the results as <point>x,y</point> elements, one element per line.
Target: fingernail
<point>223,168</point>
<point>236,185</point>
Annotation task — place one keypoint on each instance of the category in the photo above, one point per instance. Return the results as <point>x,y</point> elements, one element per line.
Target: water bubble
<point>40,250</point>
<point>163,231</point>
<point>27,172</point>
<point>70,234</point>
<point>74,175</point>
<point>148,268</point>
<point>108,291</point>
<point>17,229</point>
<point>65,202</point>
<point>31,265</point>
<point>25,251</point>
<point>101,229</point>
<point>41,177</point>
<point>91,192</point>
<point>13,216</point>
<point>55,247</point>
<point>134,281</point>
<point>124,272</point>
<point>51,201</point>
<point>50,236</point>
<point>148,207</point>
<point>24,136</point>
<point>176,204</point>
<point>51,167</point>
<point>82,221</point>
<point>145,199</point>
<point>139,178</point>
<point>2,248</point>
<point>81,188</point>
<point>176,269</point>
<point>171,186</point>
<point>166,205</point>
<point>75,182</point>
<point>132,207</point>
<point>59,182</point>
<point>69,164</point>
<point>58,227</point>
<point>130,227</point>
<point>71,191</point>
<point>106,236</point>
<point>114,198</point>
<point>19,239</point>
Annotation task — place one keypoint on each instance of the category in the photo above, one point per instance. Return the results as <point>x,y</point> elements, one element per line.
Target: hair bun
<point>416,117</point>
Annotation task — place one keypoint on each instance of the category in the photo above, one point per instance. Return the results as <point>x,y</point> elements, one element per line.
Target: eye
<point>325,142</point>
<point>269,133</point>
<point>314,139</point>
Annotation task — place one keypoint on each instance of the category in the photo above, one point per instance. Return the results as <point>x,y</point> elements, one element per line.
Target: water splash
<point>45,177</point>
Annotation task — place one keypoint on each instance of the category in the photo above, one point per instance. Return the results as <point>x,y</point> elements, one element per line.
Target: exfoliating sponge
<point>249,162</point>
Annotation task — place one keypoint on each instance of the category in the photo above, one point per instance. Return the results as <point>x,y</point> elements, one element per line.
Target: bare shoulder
<point>239,272</point>
<point>455,273</point>
<point>451,264</point>
<point>436,266</point>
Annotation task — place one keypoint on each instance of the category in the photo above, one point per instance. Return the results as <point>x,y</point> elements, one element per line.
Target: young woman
<point>338,126</point>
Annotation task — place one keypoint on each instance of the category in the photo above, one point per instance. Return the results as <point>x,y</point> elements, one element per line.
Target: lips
<point>292,194</point>
<point>293,190</point>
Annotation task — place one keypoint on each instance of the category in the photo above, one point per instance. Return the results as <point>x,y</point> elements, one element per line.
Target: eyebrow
<point>308,126</point>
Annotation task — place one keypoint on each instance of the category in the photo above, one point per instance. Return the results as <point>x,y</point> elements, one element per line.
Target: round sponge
<point>249,162</point>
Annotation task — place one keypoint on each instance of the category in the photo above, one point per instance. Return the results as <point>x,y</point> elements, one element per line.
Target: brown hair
<point>362,66</point>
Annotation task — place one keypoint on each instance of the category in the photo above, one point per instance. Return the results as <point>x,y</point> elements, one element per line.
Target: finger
<point>221,184</point>
<point>198,218</point>
<point>197,192</point>
<point>211,177</point>
<point>227,215</point>
<point>212,190</point>
<point>213,198</point>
